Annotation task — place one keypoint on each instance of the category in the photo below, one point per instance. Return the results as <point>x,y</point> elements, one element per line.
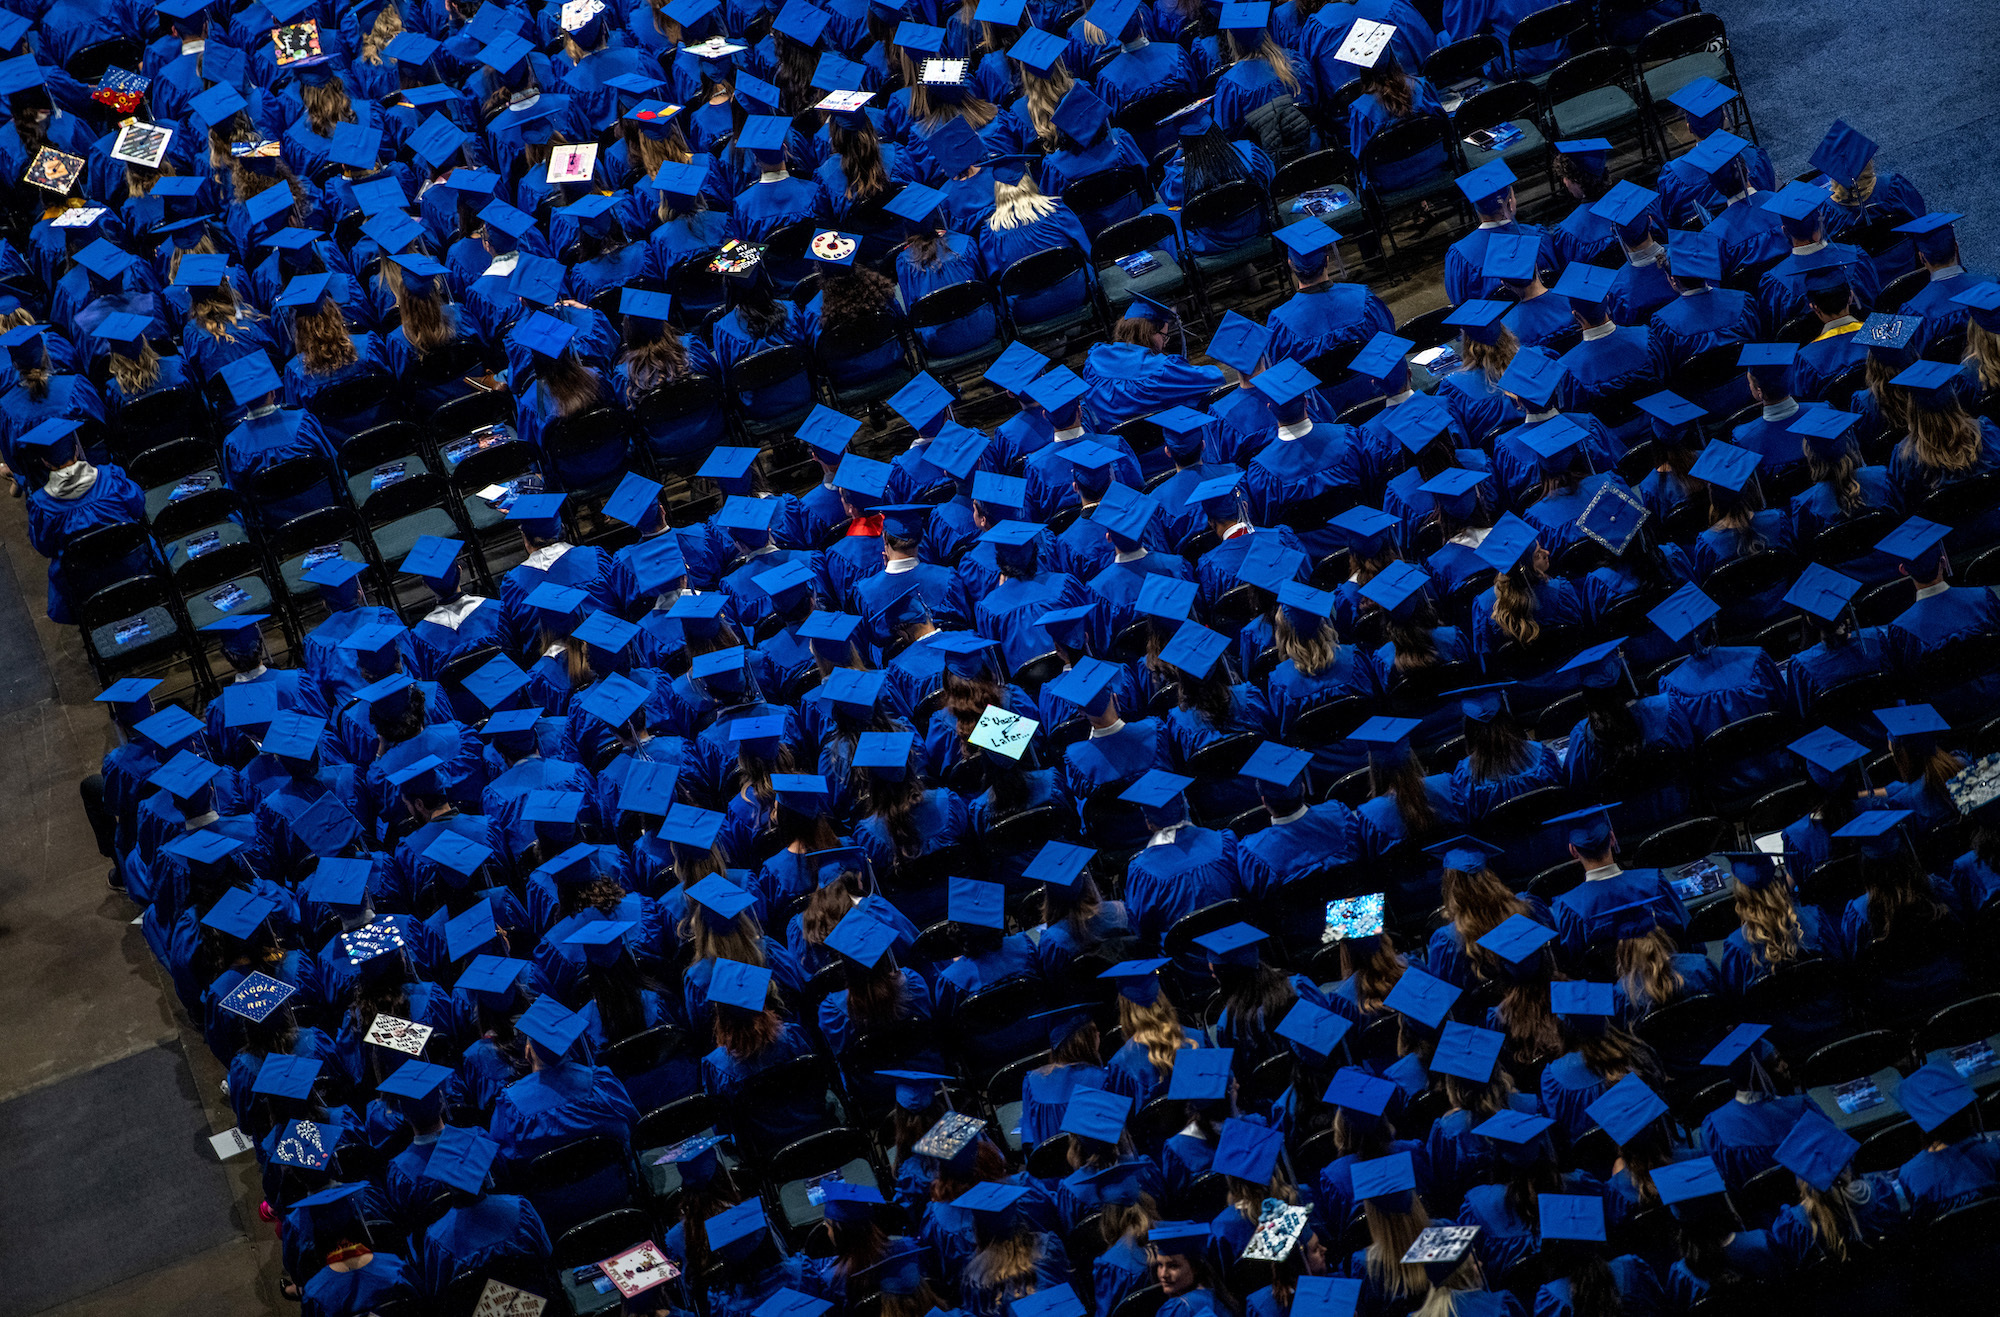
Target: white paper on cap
<point>500,1299</point>
<point>1366,41</point>
<point>1003,732</point>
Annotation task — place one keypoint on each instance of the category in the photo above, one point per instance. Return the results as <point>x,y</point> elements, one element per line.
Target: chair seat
<point>481,515</point>
<point>794,1199</point>
<point>159,496</point>
<point>1532,143</point>
<point>142,632</point>
<point>1594,112</point>
<point>873,389</point>
<point>1068,320</point>
<point>292,570</point>
<point>1257,249</point>
<point>785,424</point>
<point>1165,280</point>
<point>1347,219</point>
<point>584,1300</point>
<point>1435,185</point>
<point>978,356</point>
<point>205,606</point>
<point>176,551</point>
<point>1675,74</point>
<point>395,540</point>
<point>362,485</point>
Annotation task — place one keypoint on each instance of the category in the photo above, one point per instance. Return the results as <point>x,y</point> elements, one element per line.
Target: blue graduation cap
<point>861,938</point>
<point>1796,203</point>
<point>741,986</point>
<point>1422,997</point>
<point>1326,1296</point>
<point>968,900</point>
<point>1822,592</point>
<point>1816,1150</point>
<point>1933,382</point>
<point>1056,390</point>
<point>1703,101</point>
<point>1202,1075</point>
<point>1683,612</point>
<point>1625,205</point>
<point>1467,1052</point>
<point>1038,50</point>
<point>1382,358</point>
<point>1385,734</point>
<point>184,775</point>
<point>738,1230</point>
<point>1308,241</point>
<point>1486,184</point>
<point>1717,155</point>
<point>1236,944</point>
<point>1059,863</point>
<point>1725,465</point>
<point>1239,342</point>
<point>1734,1044</point>
<point>1843,153</point>
<point>1533,375</point>
<point>1827,755</point>
<point>491,977</point>
<point>1694,255</point>
<point>1511,258</point>
<point>1479,319</point>
<point>1095,1114</point>
<point>1081,115</point>
<point>414,1080</point>
<point>1195,649</point>
<point>1179,1238</point>
<point>1824,431</point>
<point>1384,1177</point>
<point>1626,1108</point>
<point>1572,1216</point>
<point>825,431</point>
<point>1510,540</point>
<point>1310,1028</point>
<point>285,1076</point>
<point>1916,542</point>
<point>1284,382</point>
<point>1518,938</point>
<point>1983,301</point>
<point>169,728</point>
<point>1583,282</point>
<point>1156,789</point>
<point>1684,1181</point>
<point>1247,1150</point>
<point>1580,999</point>
<point>1911,721</point>
<point>250,377</point>
<point>1138,980</point>
<point>461,1158</point>
<point>1276,765</point>
<point>238,914</point>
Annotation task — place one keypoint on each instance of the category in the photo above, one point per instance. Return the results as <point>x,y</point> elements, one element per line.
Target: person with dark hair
<point>1136,373</point>
<point>1903,932</point>
<point>1089,146</point>
<point>1206,159</point>
<point>1390,95</point>
<point>1703,315</point>
<point>750,1036</point>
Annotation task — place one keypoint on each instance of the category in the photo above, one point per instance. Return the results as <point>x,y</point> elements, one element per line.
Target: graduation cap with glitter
<point>375,939</point>
<point>256,997</point>
<point>307,1144</point>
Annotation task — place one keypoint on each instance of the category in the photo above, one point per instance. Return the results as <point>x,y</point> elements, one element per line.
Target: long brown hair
<point>387,27</point>
<point>746,1034</point>
<point>1490,359</point>
<point>1312,654</point>
<point>1770,921</point>
<point>860,153</point>
<point>1514,600</point>
<point>570,384</point>
<point>425,326</point>
<point>1266,48</point>
<point>320,334</point>
<point>1403,782</point>
<point>1375,966</point>
<point>1840,476</point>
<point>1156,1027</point>
<point>1942,438</point>
<point>1477,902</point>
<point>1387,83</point>
<point>654,363</point>
<point>326,104</point>
<point>1982,346</point>
<point>1390,1235</point>
<point>1646,968</point>
<point>1041,93</point>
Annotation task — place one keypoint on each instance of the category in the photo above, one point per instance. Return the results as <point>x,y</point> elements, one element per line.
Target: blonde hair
<point>1770,922</point>
<point>1864,187</point>
<point>1267,49</point>
<point>1944,439</point>
<point>1831,1214</point>
<point>1041,95</point>
<point>1390,1235</point>
<point>1646,967</point>
<point>1016,204</point>
<point>320,334</point>
<point>388,26</point>
<point>1312,654</point>
<point>1005,1268</point>
<point>1155,1027</point>
<point>136,374</point>
<point>1982,346</point>
<point>1490,359</point>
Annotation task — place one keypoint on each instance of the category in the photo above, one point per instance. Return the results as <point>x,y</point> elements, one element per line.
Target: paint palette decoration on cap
<point>1003,732</point>
<point>399,1035</point>
<point>256,997</point>
<point>500,1299</point>
<point>141,143</point>
<point>1278,1229</point>
<point>952,1132</point>
<point>299,41</point>
<point>639,1269</point>
<point>54,171</point>
<point>573,162</point>
<point>832,246</point>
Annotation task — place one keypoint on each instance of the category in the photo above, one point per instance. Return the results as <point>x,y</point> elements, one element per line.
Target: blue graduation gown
<point>1721,685</point>
<point>1167,881</point>
<point>559,1105</point>
<point>1743,1137</point>
<point>1932,622</point>
<point>1577,911</point>
<point>496,1226</point>
<point>1465,259</point>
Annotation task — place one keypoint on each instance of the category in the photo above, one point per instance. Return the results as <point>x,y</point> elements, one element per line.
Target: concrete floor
<point>79,989</point>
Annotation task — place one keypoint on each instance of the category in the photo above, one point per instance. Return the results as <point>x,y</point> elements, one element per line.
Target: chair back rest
<point>1462,60</point>
<point>950,304</point>
<point>1404,140</point>
<point>1040,270</point>
<point>1690,34</point>
<point>1223,203</point>
<point>1104,188</point>
<point>1140,233</point>
<point>1606,66</point>
<point>770,367</point>
<point>1496,105</point>
<point>1545,27</point>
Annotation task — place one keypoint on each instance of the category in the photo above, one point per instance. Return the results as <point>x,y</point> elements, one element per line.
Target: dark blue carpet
<point>1914,75</point>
